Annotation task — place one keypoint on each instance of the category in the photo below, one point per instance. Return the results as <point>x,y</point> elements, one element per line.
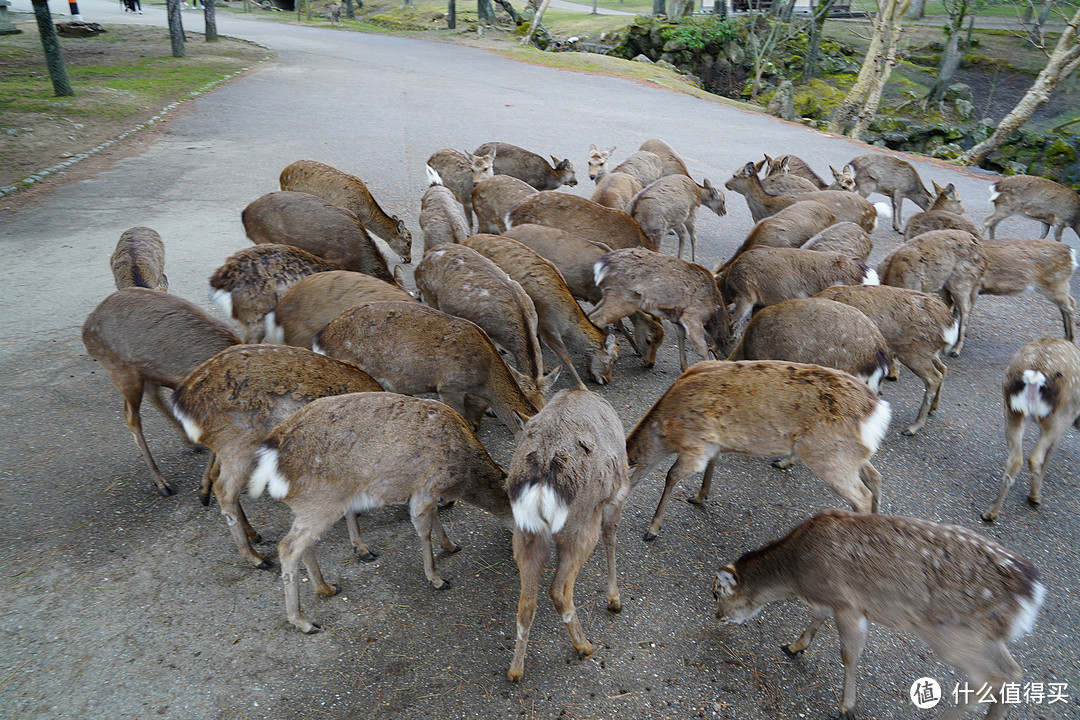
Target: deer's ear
<point>725,581</point>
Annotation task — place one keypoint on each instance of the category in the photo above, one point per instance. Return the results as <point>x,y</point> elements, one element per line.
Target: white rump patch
<point>994,194</point>
<point>316,349</point>
<point>1029,400</point>
<point>222,298</point>
<point>952,334</point>
<point>275,334</point>
<point>266,475</point>
<point>539,510</point>
<point>871,277</point>
<point>433,177</point>
<point>883,210</point>
<point>873,429</point>
<point>193,431</point>
<point>726,582</point>
<point>1072,256</point>
<point>874,381</point>
<point>1024,622</point>
<point>600,270</point>
<point>506,220</point>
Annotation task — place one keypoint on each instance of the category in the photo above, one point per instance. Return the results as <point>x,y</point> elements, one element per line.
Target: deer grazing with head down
<point>308,222</point>
<point>963,594</point>
<point>411,349</point>
<point>147,340</point>
<point>493,198</point>
<point>349,192</point>
<point>567,483</point>
<point>1042,384</point>
<point>441,218</point>
<point>846,206</point>
<point>560,320</point>
<point>944,213</point>
<point>683,293</point>
<point>790,227</point>
<point>824,417</point>
<point>139,260</point>
<point>230,402</point>
<point>580,216</point>
<point>413,451</point>
<point>845,238</point>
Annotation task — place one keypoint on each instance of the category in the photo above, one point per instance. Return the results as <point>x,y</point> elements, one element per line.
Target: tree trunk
<point>514,14</point>
<point>950,62</point>
<point>862,101</point>
<point>813,50</point>
<point>917,10</point>
<point>535,27</point>
<point>350,9</point>
<point>176,28</point>
<point>658,7</point>
<point>50,44</point>
<point>210,19</point>
<point>451,15</point>
<point>1063,62</point>
<point>484,11</point>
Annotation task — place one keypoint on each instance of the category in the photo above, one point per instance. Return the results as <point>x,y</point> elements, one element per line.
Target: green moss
<point>817,99</point>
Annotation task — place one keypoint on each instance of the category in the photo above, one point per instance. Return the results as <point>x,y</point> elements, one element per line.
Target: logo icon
<point>925,693</point>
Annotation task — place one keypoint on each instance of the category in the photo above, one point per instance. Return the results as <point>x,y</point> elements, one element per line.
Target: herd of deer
<point>324,419</point>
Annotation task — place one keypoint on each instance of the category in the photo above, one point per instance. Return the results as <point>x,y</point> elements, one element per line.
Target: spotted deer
<point>893,177</point>
<point>1051,203</point>
<point>139,260</point>
<point>528,166</point>
<point>963,594</point>
<point>460,172</point>
<point>828,419</point>
<point>414,451</point>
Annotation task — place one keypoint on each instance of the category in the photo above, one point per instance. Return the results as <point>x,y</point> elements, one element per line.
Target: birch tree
<point>957,11</point>
<point>1063,62</point>
<point>858,108</point>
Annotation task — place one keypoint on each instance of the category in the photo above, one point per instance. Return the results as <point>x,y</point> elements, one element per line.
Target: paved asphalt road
<point>119,603</point>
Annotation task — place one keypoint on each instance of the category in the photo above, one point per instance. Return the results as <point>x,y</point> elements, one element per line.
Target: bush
<point>707,33</point>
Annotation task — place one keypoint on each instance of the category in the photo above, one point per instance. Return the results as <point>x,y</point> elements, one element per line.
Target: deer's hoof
<point>789,652</point>
<point>649,536</point>
<point>265,565</point>
<point>615,606</point>
<point>367,557</point>
<point>446,585</point>
<point>694,501</point>
<point>312,628</point>
<point>165,490</point>
<point>988,516</point>
<point>1034,501</point>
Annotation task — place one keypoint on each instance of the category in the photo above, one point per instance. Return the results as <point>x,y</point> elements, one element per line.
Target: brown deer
<point>963,594</point>
<point>147,340</point>
<point>411,349</point>
<point>1042,384</point>
<point>314,301</point>
<point>581,216</point>
<point>793,165</point>
<point>560,320</point>
<point>893,177</point>
<point>252,280</point>
<point>139,260</point>
<point>233,400</point>
<point>818,331</point>
<point>950,263</point>
<point>460,172</point>
<point>671,161</point>
<point>647,167</point>
<point>824,417</point>
<point>944,213</point>
<point>441,218</point>
<point>460,281</point>
<point>671,203</point>
<point>349,192</point>
<point>790,227</point>
<point>847,206</point>
<point>575,257</point>
<point>567,483</point>
<point>763,276</point>
<point>616,190</point>
<point>311,223</point>
<point>528,166</point>
<point>493,198</point>
<point>1019,266</point>
<point>414,451</point>
<point>683,293</point>
<point>845,238</point>
<point>916,327</point>
<point>1051,203</point>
